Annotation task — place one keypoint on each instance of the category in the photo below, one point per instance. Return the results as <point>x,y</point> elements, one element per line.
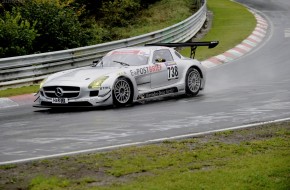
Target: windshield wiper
<point>122,63</point>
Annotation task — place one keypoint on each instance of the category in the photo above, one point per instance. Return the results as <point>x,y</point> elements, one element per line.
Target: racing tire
<point>192,82</point>
<point>122,92</point>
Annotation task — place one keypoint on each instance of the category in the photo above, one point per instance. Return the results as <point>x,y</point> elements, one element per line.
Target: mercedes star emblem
<point>58,92</point>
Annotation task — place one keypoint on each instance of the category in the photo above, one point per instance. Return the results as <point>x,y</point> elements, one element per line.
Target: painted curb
<point>17,100</point>
<point>243,48</point>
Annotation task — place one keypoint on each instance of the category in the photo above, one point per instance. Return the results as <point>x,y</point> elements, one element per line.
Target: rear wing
<point>192,45</point>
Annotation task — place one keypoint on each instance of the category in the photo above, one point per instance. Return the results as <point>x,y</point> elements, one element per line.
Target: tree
<point>16,35</point>
<point>57,25</point>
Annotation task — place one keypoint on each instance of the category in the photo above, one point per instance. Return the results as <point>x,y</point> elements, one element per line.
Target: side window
<point>162,54</point>
<point>177,54</point>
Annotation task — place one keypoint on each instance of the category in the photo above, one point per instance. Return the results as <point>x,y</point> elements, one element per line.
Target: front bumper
<point>83,101</point>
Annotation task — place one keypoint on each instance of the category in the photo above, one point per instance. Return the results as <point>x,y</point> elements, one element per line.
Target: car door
<point>142,77</point>
<point>168,73</point>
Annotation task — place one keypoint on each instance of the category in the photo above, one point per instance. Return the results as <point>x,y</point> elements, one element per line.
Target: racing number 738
<point>172,72</point>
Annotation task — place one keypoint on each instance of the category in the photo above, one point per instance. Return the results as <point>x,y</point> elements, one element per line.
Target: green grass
<point>256,158</point>
<point>7,167</point>
<point>241,166</point>
<point>158,16</point>
<point>41,182</point>
<point>18,91</point>
<point>232,23</point>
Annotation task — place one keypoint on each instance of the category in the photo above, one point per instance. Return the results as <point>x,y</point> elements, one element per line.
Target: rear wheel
<point>122,92</point>
<point>192,82</point>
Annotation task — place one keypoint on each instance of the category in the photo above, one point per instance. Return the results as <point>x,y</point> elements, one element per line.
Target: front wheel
<point>122,92</point>
<point>192,82</point>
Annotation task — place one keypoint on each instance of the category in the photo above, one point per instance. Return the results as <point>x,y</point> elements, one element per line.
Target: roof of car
<point>144,48</point>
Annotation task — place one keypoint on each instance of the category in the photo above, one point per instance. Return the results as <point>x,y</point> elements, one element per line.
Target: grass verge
<point>254,158</point>
<point>231,24</point>
<point>18,91</point>
<point>159,15</point>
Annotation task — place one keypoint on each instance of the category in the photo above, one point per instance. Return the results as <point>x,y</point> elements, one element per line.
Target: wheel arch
<point>197,68</point>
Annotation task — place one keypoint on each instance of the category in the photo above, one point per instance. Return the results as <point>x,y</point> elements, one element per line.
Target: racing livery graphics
<point>146,70</point>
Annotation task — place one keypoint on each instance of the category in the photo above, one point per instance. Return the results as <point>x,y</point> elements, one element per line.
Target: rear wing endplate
<point>192,45</point>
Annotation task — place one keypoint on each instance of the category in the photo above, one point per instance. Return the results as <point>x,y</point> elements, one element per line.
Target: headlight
<point>98,82</point>
<point>42,82</point>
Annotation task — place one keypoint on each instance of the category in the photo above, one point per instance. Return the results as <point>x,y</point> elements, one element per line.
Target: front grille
<point>67,91</point>
<point>65,95</point>
<point>65,88</point>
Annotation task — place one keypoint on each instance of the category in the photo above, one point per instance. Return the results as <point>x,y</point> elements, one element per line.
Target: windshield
<point>125,58</point>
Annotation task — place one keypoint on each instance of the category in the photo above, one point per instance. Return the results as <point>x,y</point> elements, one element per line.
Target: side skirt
<point>159,93</point>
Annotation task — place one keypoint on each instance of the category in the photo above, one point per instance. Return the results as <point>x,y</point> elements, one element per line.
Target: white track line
<point>144,142</point>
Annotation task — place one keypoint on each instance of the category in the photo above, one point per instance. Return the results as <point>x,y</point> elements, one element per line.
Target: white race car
<point>127,75</point>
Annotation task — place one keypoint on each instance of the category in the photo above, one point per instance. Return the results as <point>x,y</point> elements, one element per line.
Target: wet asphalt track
<point>252,89</point>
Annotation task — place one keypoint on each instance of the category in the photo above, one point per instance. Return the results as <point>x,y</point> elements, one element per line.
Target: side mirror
<point>95,63</point>
<point>160,60</point>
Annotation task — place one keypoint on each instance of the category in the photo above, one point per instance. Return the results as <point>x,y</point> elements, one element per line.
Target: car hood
<point>83,75</point>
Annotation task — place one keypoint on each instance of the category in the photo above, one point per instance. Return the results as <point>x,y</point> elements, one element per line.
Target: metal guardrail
<point>31,68</point>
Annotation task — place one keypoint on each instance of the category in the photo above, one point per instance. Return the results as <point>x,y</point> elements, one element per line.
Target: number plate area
<point>59,100</point>
<point>172,72</point>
